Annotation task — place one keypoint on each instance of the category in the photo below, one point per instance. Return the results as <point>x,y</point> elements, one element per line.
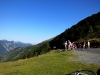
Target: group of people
<point>84,45</point>
<point>69,45</point>
<point>72,46</point>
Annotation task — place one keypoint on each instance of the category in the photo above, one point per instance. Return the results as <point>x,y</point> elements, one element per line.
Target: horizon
<point>34,21</point>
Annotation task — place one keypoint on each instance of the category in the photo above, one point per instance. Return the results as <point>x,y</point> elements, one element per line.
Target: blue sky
<point>33,21</point>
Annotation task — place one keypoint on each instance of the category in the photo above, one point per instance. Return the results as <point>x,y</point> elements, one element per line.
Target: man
<point>65,45</point>
<point>88,45</point>
<point>84,43</point>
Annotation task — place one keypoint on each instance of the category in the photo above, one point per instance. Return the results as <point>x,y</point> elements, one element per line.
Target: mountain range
<point>6,46</point>
<point>87,29</point>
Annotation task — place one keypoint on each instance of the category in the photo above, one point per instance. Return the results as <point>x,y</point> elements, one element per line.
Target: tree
<point>97,28</point>
<point>90,30</point>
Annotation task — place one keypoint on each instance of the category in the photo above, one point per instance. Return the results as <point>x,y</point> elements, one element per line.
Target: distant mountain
<point>6,46</point>
<point>16,53</point>
<point>2,50</point>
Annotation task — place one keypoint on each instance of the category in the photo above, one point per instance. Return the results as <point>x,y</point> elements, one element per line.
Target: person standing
<point>84,43</point>
<point>65,45</point>
<point>69,45</point>
<point>88,44</point>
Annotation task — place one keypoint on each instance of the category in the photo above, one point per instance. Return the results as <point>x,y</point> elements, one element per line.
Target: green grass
<point>52,63</point>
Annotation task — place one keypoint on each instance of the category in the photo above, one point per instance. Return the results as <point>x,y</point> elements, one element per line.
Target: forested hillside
<point>26,52</point>
<point>87,29</point>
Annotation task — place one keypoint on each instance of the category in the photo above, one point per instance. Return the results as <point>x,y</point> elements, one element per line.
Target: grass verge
<point>52,63</point>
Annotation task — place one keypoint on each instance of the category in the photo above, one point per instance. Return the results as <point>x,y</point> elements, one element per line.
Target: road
<point>91,56</point>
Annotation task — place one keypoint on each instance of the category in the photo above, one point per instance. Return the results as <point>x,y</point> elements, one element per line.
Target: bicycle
<point>82,72</point>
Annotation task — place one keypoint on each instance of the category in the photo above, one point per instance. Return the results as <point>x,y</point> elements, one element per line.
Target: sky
<point>34,21</point>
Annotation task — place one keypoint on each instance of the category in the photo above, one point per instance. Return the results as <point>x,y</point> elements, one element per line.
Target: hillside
<point>25,52</point>
<point>51,63</point>
<point>86,29</point>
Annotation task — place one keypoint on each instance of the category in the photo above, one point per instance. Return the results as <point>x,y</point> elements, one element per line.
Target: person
<point>88,45</point>
<point>69,45</point>
<point>84,43</point>
<point>65,45</point>
<point>74,46</point>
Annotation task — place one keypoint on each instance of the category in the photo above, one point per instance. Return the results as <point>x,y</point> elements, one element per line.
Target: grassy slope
<point>52,63</point>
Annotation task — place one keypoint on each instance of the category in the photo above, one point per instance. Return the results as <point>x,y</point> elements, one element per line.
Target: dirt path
<point>91,56</point>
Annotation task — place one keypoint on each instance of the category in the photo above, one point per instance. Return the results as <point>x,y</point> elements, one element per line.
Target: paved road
<point>93,50</point>
<point>91,56</point>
